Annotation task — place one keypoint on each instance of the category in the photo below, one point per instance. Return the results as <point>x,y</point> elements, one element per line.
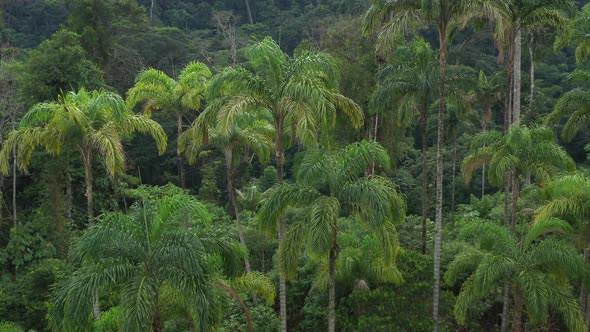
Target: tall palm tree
<point>161,245</point>
<point>521,152</point>
<point>300,92</point>
<point>568,198</point>
<point>93,123</point>
<point>541,266</point>
<point>520,16</point>
<point>251,132</point>
<point>409,84</point>
<point>328,186</point>
<point>486,93</point>
<point>398,18</point>
<point>182,96</point>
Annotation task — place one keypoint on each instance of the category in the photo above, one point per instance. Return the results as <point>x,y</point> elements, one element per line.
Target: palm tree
<point>300,92</point>
<point>250,133</point>
<point>409,84</point>
<point>577,34</point>
<point>575,105</point>
<point>541,266</point>
<point>165,245</point>
<point>182,96</point>
<point>399,18</point>
<point>568,198</point>
<point>486,93</point>
<point>519,16</point>
<point>93,123</point>
<point>521,152</point>
<point>329,185</point>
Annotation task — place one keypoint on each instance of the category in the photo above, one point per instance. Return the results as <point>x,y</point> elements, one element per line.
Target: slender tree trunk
<point>249,11</point>
<point>280,156</point>
<point>439,170</point>
<point>2,179</point>
<point>518,306</point>
<point>505,306</point>
<point>425,197</point>
<point>179,158</point>
<point>454,170</point>
<point>584,297</point>
<point>152,10</point>
<point>515,197</point>
<point>87,156</point>
<point>237,297</point>
<point>487,118</point>
<point>87,159</point>
<point>157,318</point>
<point>69,194</point>
<point>332,285</point>
<point>234,210</point>
<point>509,84</point>
<point>517,75</point>
<point>532,71</point>
<point>14,217</point>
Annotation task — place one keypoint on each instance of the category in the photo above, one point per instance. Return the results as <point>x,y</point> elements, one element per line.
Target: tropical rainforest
<point>294,165</point>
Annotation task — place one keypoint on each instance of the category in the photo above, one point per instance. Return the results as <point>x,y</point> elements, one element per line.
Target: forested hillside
<point>294,165</point>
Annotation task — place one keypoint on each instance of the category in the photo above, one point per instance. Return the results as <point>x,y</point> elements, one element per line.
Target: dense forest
<point>301,165</point>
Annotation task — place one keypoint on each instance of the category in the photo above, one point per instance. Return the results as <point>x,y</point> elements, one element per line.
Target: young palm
<point>328,186</point>
<point>300,93</point>
<point>251,132</point>
<point>522,152</point>
<point>160,92</point>
<point>577,33</point>
<point>166,245</point>
<point>541,267</point>
<point>575,105</point>
<point>486,93</point>
<point>409,83</point>
<point>568,198</point>
<point>398,18</point>
<point>93,123</point>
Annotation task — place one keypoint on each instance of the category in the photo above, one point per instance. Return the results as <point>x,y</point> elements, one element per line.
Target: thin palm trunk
<point>179,158</point>
<point>453,175</point>
<point>518,306</point>
<point>517,75</point>
<point>157,317</point>
<point>505,306</point>
<point>234,210</point>
<point>439,169</point>
<point>152,10</point>
<point>87,159</point>
<point>14,216</point>
<point>237,297</point>
<point>332,286</point>
<point>509,84</point>
<point>515,197</point>
<point>249,11</point>
<point>532,71</point>
<point>425,198</point>
<point>280,156</point>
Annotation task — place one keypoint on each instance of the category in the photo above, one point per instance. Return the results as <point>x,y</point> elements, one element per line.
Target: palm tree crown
<point>329,185</point>
<point>168,243</point>
<point>541,267</point>
<point>92,123</point>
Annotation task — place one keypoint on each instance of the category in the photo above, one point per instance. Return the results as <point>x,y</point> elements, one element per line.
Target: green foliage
<point>541,267</point>
<point>162,242</point>
<point>58,65</point>
<point>10,327</point>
